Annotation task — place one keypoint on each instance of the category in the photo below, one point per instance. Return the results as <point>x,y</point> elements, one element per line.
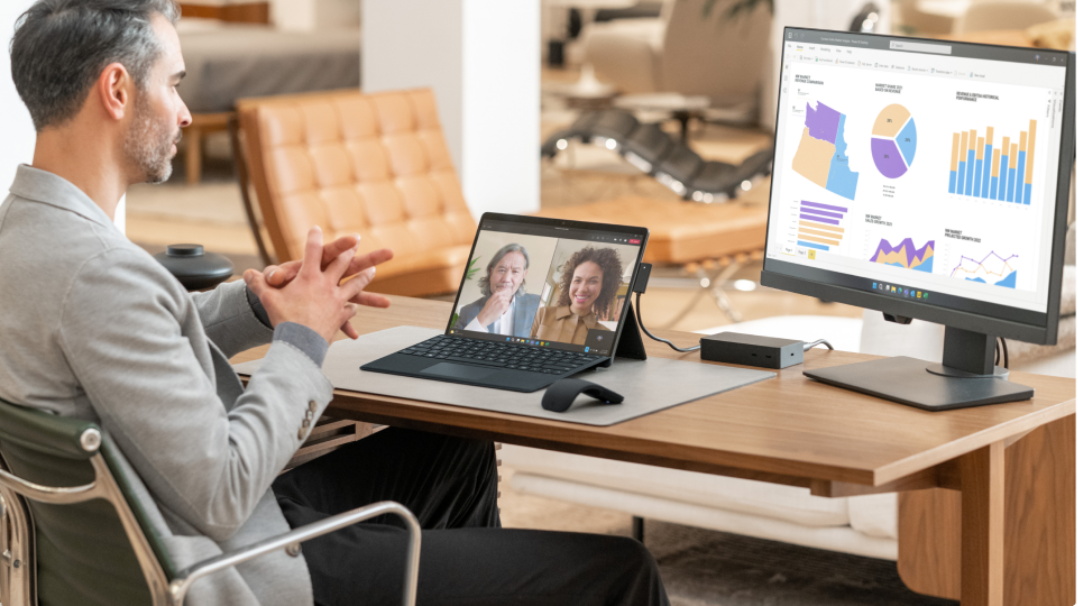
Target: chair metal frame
<point>17,569</point>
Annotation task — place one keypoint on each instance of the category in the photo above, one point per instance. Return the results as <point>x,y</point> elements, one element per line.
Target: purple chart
<point>894,141</point>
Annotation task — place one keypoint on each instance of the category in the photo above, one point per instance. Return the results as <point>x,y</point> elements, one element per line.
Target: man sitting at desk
<point>94,327</point>
<point>505,308</point>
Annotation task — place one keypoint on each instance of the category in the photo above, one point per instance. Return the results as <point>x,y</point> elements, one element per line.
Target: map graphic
<point>906,254</point>
<point>821,154</point>
<point>992,269</point>
<point>894,141</point>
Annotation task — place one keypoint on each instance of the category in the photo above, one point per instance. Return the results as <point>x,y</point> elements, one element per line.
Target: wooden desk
<point>987,506</point>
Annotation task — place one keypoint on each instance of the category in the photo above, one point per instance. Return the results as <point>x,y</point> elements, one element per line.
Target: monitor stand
<point>967,377</point>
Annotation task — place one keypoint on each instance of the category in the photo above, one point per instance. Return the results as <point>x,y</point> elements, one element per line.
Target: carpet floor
<point>708,568</point>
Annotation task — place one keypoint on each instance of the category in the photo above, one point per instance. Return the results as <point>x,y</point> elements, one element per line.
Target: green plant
<point>738,7</point>
<point>472,268</point>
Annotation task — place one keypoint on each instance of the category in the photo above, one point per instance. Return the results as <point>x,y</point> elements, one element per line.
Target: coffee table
<point>987,507</point>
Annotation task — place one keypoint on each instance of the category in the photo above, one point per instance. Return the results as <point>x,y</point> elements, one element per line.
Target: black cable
<point>809,346</point>
<point>640,322</point>
<point>996,362</point>
<point>1006,356</point>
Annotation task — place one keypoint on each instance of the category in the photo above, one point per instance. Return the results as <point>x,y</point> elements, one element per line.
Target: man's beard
<point>149,145</point>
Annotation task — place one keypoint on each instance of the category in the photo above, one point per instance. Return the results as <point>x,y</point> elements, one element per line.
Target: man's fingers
<point>271,274</point>
<point>256,282</point>
<point>280,275</point>
<point>312,251</point>
<point>362,262</point>
<point>348,313</point>
<point>336,269</point>
<point>369,299</point>
<point>350,331</point>
<point>356,285</point>
<point>338,246</point>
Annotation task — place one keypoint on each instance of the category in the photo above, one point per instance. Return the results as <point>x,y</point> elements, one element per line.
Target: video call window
<point>556,290</point>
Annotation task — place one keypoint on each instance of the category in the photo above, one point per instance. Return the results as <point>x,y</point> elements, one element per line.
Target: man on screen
<point>504,308</point>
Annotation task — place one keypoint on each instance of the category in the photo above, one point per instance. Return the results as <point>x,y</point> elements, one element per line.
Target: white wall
<point>482,59</point>
<point>821,14</point>
<point>16,129</point>
<point>294,15</point>
<point>17,135</point>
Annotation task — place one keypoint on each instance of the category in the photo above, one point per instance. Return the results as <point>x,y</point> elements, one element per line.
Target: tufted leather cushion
<point>376,165</point>
<point>680,232</point>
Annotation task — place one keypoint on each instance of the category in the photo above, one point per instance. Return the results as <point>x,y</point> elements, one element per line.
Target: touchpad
<point>460,371</point>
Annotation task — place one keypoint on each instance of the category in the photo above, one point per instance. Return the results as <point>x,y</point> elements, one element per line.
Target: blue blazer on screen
<point>526,306</point>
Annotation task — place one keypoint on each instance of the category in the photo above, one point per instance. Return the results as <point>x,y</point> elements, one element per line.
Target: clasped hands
<point>310,292</point>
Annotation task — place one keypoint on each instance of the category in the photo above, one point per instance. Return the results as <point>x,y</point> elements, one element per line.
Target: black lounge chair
<point>656,153</point>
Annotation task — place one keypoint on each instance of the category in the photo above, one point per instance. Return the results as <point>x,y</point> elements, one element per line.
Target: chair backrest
<point>708,50</point>
<point>992,15</point>
<point>376,165</point>
<point>82,552</point>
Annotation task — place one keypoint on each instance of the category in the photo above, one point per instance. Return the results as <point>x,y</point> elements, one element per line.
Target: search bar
<point>921,47</point>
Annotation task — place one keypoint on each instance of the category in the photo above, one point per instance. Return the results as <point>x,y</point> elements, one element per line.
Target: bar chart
<point>981,169</point>
<point>820,225</point>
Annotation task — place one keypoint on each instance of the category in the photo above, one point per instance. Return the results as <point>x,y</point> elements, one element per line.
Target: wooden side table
<point>201,125</point>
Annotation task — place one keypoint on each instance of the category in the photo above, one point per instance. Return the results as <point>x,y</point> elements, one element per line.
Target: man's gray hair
<point>484,282</point>
<point>61,46</point>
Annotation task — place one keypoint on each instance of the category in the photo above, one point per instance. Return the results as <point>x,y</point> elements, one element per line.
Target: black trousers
<point>450,484</point>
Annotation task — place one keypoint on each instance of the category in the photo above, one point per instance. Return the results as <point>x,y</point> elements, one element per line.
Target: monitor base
<point>998,372</point>
<point>910,381</point>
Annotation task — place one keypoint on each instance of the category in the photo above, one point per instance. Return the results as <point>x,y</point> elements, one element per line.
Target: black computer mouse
<point>560,396</point>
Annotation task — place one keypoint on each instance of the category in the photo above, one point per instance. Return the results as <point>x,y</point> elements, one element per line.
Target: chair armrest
<point>52,495</point>
<point>179,586</point>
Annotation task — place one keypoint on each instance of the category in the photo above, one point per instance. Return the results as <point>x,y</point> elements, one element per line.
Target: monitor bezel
<point>569,224</point>
<point>1041,333</point>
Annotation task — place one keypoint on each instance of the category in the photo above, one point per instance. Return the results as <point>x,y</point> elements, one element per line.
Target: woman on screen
<point>589,285</point>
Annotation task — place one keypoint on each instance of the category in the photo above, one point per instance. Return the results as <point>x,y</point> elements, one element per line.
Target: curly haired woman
<point>589,286</point>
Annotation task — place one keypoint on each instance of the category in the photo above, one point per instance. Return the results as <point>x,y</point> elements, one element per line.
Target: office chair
<point>73,530</point>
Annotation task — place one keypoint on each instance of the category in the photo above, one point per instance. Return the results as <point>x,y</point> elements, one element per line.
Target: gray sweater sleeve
<point>140,358</point>
<point>303,338</point>
<point>230,320</point>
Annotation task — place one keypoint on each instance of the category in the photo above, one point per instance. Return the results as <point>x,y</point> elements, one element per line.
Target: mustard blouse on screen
<point>561,325</point>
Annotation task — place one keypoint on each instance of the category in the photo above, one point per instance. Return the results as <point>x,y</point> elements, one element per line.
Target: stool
<point>201,124</point>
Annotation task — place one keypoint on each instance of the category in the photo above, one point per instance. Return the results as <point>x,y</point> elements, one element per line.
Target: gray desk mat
<point>648,386</point>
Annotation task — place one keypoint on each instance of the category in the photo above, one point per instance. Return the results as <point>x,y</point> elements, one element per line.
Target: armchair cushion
<point>376,165</point>
<point>627,52</point>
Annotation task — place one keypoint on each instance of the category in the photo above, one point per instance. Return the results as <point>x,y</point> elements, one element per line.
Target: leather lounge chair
<point>377,165</point>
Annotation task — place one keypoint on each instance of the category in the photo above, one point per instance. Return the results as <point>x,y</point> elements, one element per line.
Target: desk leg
<point>1039,517</point>
<point>981,477</point>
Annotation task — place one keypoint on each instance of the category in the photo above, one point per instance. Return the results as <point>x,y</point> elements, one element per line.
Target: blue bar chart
<point>980,169</point>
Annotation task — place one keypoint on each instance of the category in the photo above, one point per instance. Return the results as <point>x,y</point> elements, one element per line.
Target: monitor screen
<point>917,170</point>
<point>563,285</point>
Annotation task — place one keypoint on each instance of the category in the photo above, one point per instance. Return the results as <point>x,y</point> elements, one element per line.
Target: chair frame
<point>17,575</point>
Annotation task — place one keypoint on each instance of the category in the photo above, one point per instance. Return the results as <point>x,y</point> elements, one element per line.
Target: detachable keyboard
<point>497,354</point>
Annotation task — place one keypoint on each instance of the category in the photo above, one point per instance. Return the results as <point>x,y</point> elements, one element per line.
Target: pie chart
<point>894,141</point>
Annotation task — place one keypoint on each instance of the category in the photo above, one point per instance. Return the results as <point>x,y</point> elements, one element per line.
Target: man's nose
<point>185,115</point>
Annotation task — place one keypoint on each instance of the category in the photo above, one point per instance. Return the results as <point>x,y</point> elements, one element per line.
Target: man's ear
<point>114,89</point>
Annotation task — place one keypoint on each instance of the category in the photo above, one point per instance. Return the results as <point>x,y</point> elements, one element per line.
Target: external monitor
<point>928,180</point>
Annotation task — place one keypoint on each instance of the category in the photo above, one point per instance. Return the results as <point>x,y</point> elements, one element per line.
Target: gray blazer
<point>95,328</point>
<point>524,314</point>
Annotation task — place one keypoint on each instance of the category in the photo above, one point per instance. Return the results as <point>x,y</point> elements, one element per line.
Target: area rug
<point>708,568</point>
